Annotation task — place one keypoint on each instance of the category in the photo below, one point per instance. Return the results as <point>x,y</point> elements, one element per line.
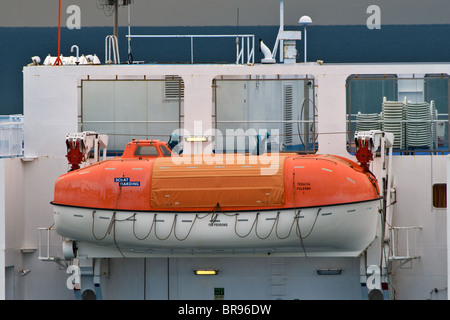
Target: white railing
<point>112,50</point>
<point>11,136</point>
<point>243,41</point>
<point>408,235</point>
<point>44,245</point>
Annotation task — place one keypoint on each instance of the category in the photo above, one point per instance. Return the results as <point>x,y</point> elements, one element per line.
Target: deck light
<point>197,139</point>
<point>304,21</point>
<point>206,272</point>
<point>329,272</point>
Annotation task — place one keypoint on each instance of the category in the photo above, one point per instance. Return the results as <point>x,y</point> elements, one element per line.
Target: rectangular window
<point>440,195</point>
<point>245,107</point>
<point>146,151</point>
<point>126,109</point>
<point>414,108</point>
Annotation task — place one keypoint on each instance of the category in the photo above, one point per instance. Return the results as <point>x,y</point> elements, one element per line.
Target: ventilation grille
<point>111,2</point>
<point>288,113</point>
<point>173,88</point>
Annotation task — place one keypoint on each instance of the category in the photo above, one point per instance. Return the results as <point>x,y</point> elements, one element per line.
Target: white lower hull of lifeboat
<point>336,230</point>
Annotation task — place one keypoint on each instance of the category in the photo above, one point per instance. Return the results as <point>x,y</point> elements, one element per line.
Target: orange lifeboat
<point>149,200</point>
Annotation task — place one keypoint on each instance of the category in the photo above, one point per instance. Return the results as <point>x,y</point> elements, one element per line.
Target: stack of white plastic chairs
<point>413,124</point>
<point>434,116</point>
<point>368,121</point>
<point>393,120</point>
<point>419,125</point>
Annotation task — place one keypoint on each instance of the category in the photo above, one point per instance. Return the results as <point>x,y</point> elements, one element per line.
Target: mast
<point>58,58</point>
<point>116,18</point>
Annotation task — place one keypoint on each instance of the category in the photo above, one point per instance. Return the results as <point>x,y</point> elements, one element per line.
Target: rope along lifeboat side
<point>151,201</point>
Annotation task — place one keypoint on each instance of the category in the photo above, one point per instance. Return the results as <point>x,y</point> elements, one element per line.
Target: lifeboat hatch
<point>146,149</point>
<point>205,186</point>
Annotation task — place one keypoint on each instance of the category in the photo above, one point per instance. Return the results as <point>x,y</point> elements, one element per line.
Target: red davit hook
<point>58,61</point>
<point>74,155</point>
<point>363,153</point>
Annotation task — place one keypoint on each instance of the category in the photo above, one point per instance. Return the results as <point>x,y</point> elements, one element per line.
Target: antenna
<point>237,26</point>
<point>58,61</point>
<point>237,21</point>
<point>111,7</point>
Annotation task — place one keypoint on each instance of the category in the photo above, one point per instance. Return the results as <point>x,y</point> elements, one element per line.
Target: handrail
<point>11,136</point>
<point>112,43</point>
<point>239,39</point>
<point>218,121</point>
<point>407,255</point>
<point>46,256</point>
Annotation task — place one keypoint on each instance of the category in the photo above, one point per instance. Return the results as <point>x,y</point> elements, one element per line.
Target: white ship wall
<point>52,102</point>
<point>414,176</point>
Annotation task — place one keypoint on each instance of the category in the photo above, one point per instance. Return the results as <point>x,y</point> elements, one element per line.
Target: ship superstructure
<point>386,122</point>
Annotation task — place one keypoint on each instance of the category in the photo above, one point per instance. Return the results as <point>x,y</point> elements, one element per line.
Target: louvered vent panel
<point>288,113</point>
<point>173,88</point>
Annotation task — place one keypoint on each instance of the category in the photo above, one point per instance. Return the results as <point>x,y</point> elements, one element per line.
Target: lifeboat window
<point>165,151</point>
<point>146,151</point>
<point>440,195</point>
